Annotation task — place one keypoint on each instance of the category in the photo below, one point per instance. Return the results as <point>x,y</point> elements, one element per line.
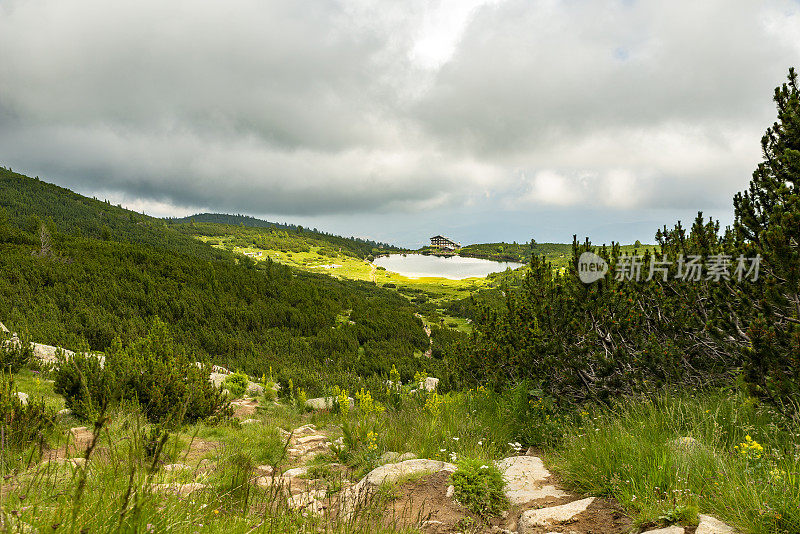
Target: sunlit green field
<point>438,290</point>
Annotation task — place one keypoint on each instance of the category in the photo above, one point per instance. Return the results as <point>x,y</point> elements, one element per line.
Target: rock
<point>326,403</point>
<point>219,369</point>
<point>389,457</point>
<point>451,490</point>
<point>320,403</point>
<point>264,470</point>
<point>181,490</point>
<point>250,421</point>
<point>314,438</point>
<point>170,468</point>
<point>407,456</point>
<point>553,515</point>
<point>23,397</point>
<point>268,481</point>
<point>429,384</point>
<point>296,472</point>
<point>284,434</point>
<point>217,379</point>
<point>393,472</point>
<point>669,530</point>
<point>46,353</point>
<point>525,478</point>
<point>304,430</point>
<point>311,501</point>
<point>255,390</point>
<point>712,525</point>
<point>685,443</point>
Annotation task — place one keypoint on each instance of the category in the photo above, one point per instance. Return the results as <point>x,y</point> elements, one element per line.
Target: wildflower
<point>433,404</point>
<point>750,449</point>
<point>442,450</point>
<point>216,512</point>
<point>455,439</point>
<point>372,441</point>
<point>484,467</point>
<point>480,442</point>
<point>453,457</point>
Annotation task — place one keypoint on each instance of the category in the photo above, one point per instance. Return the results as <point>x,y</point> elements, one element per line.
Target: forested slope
<point>109,272</point>
<point>27,202</point>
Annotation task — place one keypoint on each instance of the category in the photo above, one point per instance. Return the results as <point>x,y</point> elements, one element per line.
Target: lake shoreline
<point>450,266</point>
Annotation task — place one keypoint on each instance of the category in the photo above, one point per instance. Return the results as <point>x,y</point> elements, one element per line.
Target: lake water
<point>452,267</point>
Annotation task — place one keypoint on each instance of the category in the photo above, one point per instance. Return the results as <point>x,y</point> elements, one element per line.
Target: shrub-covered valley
<point>214,374</point>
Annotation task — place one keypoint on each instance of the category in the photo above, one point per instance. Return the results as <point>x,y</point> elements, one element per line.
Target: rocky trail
<point>404,492</point>
<point>410,492</point>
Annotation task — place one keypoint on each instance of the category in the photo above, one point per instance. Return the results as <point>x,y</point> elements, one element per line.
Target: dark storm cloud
<point>365,106</point>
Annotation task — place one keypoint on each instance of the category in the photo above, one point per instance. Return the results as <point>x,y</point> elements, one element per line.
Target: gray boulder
<point>326,403</point>
<point>429,384</point>
<point>530,520</point>
<point>254,390</point>
<point>217,378</point>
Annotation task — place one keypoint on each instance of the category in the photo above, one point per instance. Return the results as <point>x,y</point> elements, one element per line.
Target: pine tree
<point>768,223</point>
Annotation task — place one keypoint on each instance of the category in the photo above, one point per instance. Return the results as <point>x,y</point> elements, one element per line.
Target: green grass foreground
<point>665,459</point>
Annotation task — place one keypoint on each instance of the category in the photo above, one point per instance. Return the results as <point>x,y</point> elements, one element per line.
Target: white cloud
<point>373,106</point>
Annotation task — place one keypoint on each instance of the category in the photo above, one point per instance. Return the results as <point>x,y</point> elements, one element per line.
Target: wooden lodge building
<point>441,242</point>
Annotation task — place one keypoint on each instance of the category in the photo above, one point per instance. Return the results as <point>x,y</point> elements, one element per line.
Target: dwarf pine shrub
<point>236,383</point>
<point>152,371</point>
<point>22,423</point>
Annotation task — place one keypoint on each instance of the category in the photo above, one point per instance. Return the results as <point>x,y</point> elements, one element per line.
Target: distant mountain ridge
<point>360,246</point>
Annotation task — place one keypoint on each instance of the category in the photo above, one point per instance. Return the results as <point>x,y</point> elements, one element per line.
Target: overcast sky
<point>483,120</point>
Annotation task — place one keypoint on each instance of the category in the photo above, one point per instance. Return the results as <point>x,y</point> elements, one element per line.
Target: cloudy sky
<point>484,120</point>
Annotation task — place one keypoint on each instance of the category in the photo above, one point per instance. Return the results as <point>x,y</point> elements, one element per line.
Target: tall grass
<point>670,457</point>
<point>123,488</point>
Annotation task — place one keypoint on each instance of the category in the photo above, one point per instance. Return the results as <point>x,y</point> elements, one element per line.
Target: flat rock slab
<point>712,525</point>
<point>545,517</point>
<point>525,477</point>
<point>296,472</point>
<point>669,530</point>
<point>389,473</point>
<point>304,430</point>
<point>169,468</point>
